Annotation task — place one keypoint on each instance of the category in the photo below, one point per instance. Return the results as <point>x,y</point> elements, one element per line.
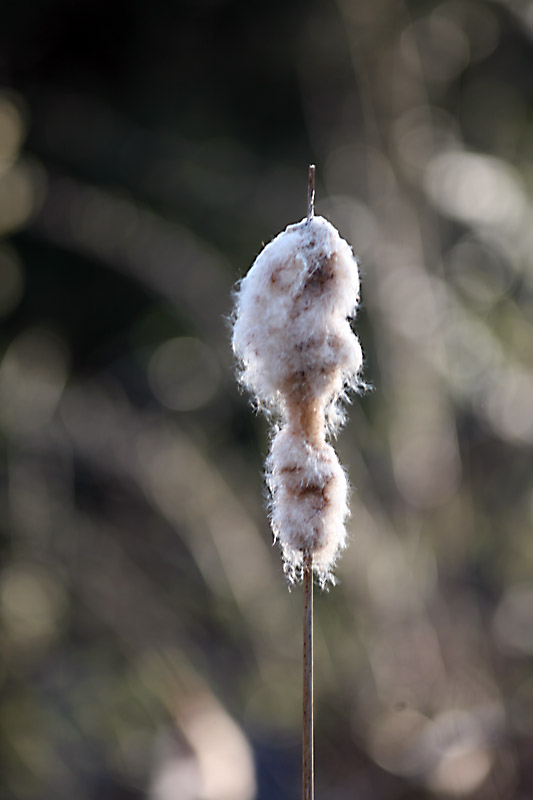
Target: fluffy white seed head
<point>291,332</point>
<point>298,355</point>
<point>309,500</point>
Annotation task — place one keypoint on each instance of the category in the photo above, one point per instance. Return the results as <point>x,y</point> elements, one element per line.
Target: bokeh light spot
<point>21,193</point>
<point>421,133</point>
<point>184,374</point>
<point>33,605</point>
<point>479,273</point>
<point>438,46</point>
<point>12,129</point>
<point>462,756</point>
<point>32,377</point>
<point>475,188</point>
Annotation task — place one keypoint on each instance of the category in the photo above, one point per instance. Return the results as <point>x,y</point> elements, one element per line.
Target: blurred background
<point>149,645</point>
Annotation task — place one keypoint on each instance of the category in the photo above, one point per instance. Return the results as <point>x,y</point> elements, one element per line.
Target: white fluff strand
<point>298,355</point>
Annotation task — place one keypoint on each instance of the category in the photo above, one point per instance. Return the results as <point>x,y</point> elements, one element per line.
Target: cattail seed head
<point>298,356</point>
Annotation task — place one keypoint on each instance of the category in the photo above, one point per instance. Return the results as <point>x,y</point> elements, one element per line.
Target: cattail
<point>298,356</point>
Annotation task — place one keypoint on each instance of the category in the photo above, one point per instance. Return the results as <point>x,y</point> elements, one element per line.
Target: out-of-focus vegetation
<point>149,645</point>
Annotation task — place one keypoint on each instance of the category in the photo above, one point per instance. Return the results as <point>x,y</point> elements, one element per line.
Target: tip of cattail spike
<point>311,193</point>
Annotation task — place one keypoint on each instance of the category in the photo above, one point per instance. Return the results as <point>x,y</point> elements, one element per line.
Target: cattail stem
<point>298,355</point>
<point>308,771</point>
<point>308,766</point>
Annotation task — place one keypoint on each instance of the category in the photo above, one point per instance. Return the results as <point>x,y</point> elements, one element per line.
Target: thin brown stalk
<point>311,193</point>
<point>308,771</point>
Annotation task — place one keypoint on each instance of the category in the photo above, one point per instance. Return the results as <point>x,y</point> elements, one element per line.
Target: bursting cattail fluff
<point>298,355</point>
